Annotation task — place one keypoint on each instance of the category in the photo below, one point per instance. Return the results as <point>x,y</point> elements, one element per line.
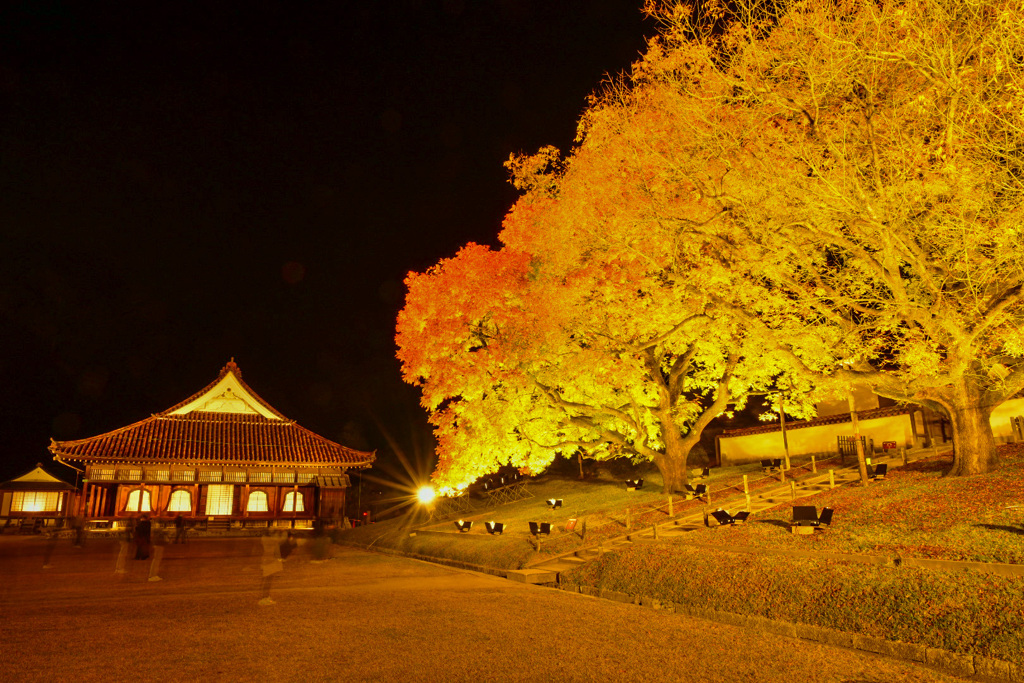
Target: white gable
<point>38,475</point>
<point>226,396</point>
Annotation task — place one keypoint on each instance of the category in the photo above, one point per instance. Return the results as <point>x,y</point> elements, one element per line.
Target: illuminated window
<point>181,501</point>
<point>284,477</point>
<point>257,502</point>
<point>234,476</point>
<point>129,475</point>
<point>305,477</point>
<point>36,501</point>
<point>260,477</point>
<point>138,501</point>
<point>210,476</point>
<point>293,502</point>
<point>219,499</point>
<point>101,475</point>
<point>158,475</point>
<point>183,475</point>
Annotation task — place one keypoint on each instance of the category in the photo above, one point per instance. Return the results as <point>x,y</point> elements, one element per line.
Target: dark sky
<point>183,183</point>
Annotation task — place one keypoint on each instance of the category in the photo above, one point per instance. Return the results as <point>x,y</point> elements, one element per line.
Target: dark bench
<point>725,518</point>
<point>695,491</point>
<point>807,515</point>
<point>540,528</point>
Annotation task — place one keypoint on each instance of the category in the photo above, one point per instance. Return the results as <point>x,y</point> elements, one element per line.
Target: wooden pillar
<point>295,498</point>
<point>83,508</point>
<point>245,500</point>
<point>195,500</point>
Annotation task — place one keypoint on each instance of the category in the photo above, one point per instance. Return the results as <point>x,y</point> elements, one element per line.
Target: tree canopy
<point>829,191</point>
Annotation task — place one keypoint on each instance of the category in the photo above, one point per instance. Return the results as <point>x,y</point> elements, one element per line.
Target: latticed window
<point>219,499</point>
<point>129,475</point>
<point>305,477</point>
<point>236,476</point>
<point>158,475</point>
<point>181,501</point>
<point>210,476</point>
<point>139,500</point>
<point>257,502</point>
<point>293,502</point>
<point>36,501</point>
<point>183,475</point>
<point>101,475</point>
<point>260,477</point>
<point>284,477</point>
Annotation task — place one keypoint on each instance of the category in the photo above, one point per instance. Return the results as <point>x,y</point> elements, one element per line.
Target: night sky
<point>183,183</point>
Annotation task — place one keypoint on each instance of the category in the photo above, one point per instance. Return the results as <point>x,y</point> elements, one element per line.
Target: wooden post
<point>82,507</point>
<point>707,493</point>
<point>670,505</point>
<point>792,489</point>
<point>746,491</point>
<point>655,532</point>
<point>782,475</point>
<point>856,439</point>
<point>748,501</point>
<point>903,455</point>
<point>785,441</point>
<point>814,465</point>
<point>627,519</point>
<point>831,479</point>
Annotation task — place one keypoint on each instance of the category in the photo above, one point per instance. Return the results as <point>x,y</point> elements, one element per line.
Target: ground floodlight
<point>634,484</point>
<point>554,503</point>
<point>494,528</point>
<point>462,526</point>
<point>540,528</point>
<point>426,494</point>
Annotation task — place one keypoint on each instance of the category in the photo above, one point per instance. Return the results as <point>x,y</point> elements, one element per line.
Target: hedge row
<point>963,612</point>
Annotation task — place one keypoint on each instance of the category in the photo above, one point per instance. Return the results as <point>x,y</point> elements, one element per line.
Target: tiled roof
<point>212,437</point>
<point>888,411</point>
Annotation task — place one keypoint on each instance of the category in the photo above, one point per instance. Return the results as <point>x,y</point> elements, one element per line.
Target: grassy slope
<point>916,512</point>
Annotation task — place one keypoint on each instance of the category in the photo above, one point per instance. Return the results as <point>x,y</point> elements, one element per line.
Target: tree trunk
<point>974,446</point>
<point>672,463</point>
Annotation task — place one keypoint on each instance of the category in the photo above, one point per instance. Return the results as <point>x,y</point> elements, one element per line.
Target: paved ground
<point>362,617</point>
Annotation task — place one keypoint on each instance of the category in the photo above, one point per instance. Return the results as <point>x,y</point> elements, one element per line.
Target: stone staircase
<point>546,570</point>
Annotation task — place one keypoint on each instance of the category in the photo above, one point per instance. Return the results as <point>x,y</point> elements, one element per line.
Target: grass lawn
<point>601,503</point>
<point>914,512</point>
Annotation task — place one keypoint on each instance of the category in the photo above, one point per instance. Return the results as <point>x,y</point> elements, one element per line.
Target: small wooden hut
<point>35,500</point>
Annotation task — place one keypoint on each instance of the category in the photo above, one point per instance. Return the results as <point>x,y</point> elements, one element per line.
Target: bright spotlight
<point>426,494</point>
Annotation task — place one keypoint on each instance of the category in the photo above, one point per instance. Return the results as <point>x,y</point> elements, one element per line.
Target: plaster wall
<point>813,440</point>
<point>1000,419</point>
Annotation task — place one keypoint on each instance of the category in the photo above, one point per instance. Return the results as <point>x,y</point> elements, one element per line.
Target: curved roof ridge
<point>230,367</point>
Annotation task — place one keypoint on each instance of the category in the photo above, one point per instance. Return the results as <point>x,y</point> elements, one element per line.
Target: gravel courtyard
<point>360,617</point>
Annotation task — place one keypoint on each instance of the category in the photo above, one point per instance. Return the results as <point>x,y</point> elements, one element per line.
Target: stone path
<point>368,617</point>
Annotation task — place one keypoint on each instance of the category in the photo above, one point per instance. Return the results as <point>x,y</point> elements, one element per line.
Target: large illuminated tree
<point>522,356</point>
<point>862,159</point>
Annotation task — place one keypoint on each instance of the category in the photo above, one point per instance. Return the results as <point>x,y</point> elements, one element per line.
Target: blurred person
<point>159,540</point>
<point>271,563</point>
<point>179,529</point>
<point>143,538</point>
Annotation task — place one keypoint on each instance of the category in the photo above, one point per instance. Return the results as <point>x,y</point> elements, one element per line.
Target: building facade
<point>222,457</point>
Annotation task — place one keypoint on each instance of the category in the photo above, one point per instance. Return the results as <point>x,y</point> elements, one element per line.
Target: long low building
<point>900,426</point>
<point>223,455</point>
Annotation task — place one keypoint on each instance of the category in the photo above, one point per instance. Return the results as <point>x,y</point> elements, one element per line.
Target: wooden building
<point>222,456</point>
<point>35,500</point>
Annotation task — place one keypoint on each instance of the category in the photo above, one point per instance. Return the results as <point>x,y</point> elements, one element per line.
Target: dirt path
<point>362,617</point>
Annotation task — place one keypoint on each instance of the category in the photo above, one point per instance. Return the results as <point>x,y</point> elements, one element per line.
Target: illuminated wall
<point>1001,418</point>
<point>817,440</point>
